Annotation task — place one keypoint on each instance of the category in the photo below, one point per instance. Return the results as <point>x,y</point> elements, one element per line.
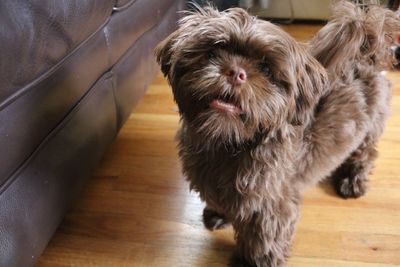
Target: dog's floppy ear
<point>167,49</point>
<point>311,80</point>
<point>302,76</point>
<point>164,52</point>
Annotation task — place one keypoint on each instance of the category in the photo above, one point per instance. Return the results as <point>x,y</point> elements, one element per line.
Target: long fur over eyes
<point>263,116</point>
<point>297,79</point>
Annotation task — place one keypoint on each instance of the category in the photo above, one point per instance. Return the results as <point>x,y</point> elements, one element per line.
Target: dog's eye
<point>211,55</point>
<point>264,67</point>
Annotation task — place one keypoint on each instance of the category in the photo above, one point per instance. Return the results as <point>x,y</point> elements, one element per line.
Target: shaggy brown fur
<point>262,118</point>
<point>354,47</point>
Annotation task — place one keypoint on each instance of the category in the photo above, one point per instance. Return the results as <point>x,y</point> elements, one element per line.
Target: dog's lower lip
<point>222,106</point>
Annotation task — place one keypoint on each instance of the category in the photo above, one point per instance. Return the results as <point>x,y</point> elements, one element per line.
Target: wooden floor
<point>137,209</point>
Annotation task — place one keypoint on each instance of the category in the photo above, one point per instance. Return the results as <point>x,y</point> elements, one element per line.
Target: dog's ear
<point>310,81</point>
<point>164,52</point>
<point>167,49</point>
<point>301,76</point>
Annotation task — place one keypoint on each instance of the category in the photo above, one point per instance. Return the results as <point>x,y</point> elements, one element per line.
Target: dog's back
<point>354,47</point>
<point>356,35</point>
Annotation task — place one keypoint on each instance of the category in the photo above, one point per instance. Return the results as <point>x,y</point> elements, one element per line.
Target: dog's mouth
<point>225,105</point>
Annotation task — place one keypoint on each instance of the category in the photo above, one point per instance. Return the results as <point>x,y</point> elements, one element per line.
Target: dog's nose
<point>236,76</point>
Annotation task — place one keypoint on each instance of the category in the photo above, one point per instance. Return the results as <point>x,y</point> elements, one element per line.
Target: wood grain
<point>137,210</point>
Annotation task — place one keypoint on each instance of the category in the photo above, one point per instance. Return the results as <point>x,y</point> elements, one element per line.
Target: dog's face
<point>234,76</point>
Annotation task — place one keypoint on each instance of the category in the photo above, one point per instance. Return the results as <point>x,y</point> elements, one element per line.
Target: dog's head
<point>234,76</point>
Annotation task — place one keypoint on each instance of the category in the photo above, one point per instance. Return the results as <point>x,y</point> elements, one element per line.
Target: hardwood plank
<point>315,262</point>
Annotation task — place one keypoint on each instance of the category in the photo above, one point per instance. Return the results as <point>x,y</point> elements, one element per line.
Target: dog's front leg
<point>264,237</point>
<point>213,220</point>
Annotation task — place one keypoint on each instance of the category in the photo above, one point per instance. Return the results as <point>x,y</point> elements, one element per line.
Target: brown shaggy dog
<point>262,117</point>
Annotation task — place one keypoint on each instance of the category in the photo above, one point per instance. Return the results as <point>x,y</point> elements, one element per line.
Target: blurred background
<point>291,9</point>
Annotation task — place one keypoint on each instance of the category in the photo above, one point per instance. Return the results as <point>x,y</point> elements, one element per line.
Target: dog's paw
<point>352,187</point>
<point>239,262</point>
<point>213,220</point>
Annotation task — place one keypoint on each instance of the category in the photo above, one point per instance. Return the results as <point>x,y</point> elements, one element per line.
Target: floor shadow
<point>327,186</point>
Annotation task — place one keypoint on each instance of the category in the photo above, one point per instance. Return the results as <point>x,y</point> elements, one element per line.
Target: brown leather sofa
<point>70,74</point>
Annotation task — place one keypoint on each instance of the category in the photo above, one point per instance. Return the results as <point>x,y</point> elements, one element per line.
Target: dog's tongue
<point>225,107</point>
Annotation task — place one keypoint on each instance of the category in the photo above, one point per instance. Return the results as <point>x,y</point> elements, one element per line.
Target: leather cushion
<point>27,120</point>
<point>124,29</point>
<point>121,4</point>
<point>37,108</point>
<point>35,35</point>
<point>129,71</point>
<point>33,205</point>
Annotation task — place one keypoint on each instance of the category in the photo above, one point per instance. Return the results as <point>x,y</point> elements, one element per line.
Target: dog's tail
<point>356,33</point>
